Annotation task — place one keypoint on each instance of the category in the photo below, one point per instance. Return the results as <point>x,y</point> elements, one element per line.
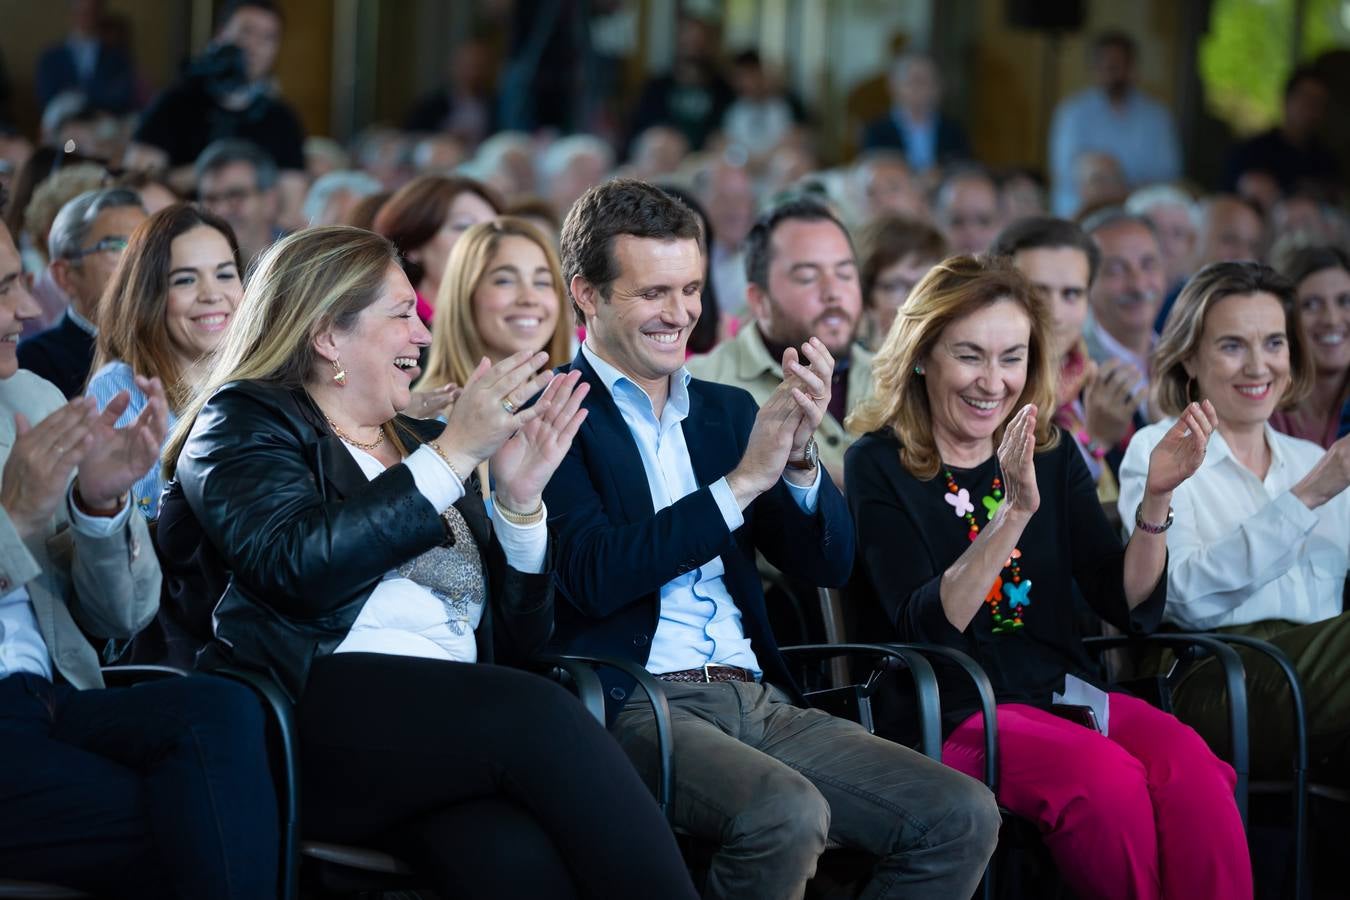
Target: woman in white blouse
<point>1262,531</point>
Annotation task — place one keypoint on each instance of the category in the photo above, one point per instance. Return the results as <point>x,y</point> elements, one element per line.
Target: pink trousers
<point>1147,812</point>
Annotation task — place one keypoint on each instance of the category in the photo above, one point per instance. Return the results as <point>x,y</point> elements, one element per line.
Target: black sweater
<point>907,536</point>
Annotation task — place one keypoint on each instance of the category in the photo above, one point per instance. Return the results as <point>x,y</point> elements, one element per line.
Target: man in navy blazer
<point>82,62</point>
<point>668,489</point>
<point>915,125</point>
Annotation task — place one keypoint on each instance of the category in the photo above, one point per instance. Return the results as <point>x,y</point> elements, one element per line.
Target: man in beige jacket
<point>803,282</point>
<point>159,790</point>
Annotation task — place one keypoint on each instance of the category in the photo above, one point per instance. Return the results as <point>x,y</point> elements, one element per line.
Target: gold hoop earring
<point>339,373</point>
<point>1190,396</point>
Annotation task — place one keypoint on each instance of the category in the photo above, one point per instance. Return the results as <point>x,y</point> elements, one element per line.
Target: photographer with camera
<point>227,92</point>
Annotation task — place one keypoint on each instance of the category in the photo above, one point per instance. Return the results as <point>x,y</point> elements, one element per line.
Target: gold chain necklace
<point>355,443</point>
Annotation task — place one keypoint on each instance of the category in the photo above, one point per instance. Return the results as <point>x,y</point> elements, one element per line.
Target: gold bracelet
<point>516,518</point>
<point>436,448</point>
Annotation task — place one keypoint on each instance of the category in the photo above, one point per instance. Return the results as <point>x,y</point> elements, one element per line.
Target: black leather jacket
<point>291,525</point>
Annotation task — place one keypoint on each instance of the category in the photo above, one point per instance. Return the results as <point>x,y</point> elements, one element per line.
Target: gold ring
<point>508,406</point>
<point>814,397</point>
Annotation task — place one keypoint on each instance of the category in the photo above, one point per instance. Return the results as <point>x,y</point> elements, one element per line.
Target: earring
<point>918,370</point>
<point>1190,380</point>
<point>339,373</point>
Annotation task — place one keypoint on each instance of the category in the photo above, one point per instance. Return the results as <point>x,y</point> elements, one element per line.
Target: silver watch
<point>810,456</point>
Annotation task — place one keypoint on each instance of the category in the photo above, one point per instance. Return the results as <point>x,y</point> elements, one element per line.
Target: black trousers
<point>491,781</point>
<point>153,791</point>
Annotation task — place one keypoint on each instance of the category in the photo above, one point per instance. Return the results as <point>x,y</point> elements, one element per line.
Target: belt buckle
<point>707,676</point>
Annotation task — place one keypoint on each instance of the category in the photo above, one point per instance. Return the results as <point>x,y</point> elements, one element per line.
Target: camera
<point>220,70</point>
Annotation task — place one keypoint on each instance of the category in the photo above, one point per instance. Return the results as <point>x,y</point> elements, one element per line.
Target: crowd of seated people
<point>391,423</point>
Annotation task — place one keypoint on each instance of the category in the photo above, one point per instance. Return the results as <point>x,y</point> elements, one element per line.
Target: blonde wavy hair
<point>302,285</point>
<point>955,288</point>
<point>456,344</point>
<point>1173,387</point>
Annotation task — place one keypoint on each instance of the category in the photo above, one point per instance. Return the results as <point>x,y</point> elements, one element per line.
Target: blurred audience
<point>915,125</point>
<point>571,166</point>
<point>1021,194</point>
<point>966,208</point>
<point>82,62</point>
<point>764,115</point>
<point>894,253</point>
<point>693,97</point>
<point>463,108</point>
<point>237,181</point>
<point>1113,117</point>
<point>657,152</point>
<point>36,220</point>
<point>424,219</point>
<point>1293,153</point>
<point>333,196</point>
<point>882,184</point>
<point>727,192</point>
<point>1320,277</point>
<point>1176,220</point>
<point>85,243</point>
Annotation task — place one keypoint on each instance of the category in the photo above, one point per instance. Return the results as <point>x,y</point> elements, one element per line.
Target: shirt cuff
<point>726,502</point>
<point>96,526</point>
<point>806,496</point>
<point>1293,509</point>
<point>525,546</point>
<point>434,478</point>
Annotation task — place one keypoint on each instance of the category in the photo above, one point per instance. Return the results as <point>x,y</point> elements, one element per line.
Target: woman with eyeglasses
<point>166,308</point>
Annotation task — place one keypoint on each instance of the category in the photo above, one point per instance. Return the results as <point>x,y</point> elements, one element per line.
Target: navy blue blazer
<point>111,86</point>
<point>952,145</point>
<point>613,552</point>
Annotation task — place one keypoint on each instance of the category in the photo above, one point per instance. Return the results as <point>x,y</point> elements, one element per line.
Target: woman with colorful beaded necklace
<point>979,528</point>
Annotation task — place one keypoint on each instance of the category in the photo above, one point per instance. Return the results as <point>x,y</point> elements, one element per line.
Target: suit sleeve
<point>116,577</point>
<point>815,547</point>
<point>893,554</point>
<point>603,566</point>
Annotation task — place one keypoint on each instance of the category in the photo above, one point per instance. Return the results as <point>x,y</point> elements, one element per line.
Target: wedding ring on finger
<point>510,407</point>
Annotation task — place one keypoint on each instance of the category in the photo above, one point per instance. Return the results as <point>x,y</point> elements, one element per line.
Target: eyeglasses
<point>230,196</point>
<point>111,244</point>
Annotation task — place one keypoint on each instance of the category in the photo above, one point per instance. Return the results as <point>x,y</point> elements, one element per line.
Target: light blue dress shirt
<point>920,140</point>
<point>699,620</point>
<point>1140,134</point>
<point>103,386</point>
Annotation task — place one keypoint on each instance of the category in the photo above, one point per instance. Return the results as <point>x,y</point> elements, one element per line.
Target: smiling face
<point>655,301</point>
<point>975,373</point>
<point>17,306</point>
<point>1130,284</point>
<point>813,287</point>
<point>1061,275</point>
<point>1242,364</point>
<point>465,211</point>
<point>380,353</point>
<point>516,305</point>
<point>204,289</point>
<point>1324,315</point>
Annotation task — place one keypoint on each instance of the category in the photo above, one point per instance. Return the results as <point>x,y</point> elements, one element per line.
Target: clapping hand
<point>119,457</point>
<point>41,462</point>
<point>811,388</point>
<point>430,404</point>
<point>1016,461</point>
<point>525,463</point>
<point>1110,399</point>
<point>490,408</point>
<point>1182,450</point>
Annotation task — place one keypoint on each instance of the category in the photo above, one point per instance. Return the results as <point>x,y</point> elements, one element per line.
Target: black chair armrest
<point>1235,681</point>
<point>893,656</point>
<point>583,679</point>
<point>665,738</point>
<point>988,706</point>
<point>285,767</point>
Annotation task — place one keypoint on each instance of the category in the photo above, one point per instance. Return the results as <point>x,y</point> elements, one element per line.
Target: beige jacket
<point>746,362</point>
<point>109,586</point>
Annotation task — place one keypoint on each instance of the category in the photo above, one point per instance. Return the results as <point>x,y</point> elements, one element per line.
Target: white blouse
<point>403,618</point>
<point>1242,549</point>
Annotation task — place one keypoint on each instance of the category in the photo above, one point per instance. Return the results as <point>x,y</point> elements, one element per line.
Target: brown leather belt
<point>709,674</point>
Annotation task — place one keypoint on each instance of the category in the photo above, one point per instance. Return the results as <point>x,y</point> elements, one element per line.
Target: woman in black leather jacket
<point>373,584</point>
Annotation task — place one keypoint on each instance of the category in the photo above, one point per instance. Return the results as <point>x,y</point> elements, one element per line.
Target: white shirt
<point>22,648</point>
<point>1241,549</point>
<point>699,621</point>
<point>403,618</point>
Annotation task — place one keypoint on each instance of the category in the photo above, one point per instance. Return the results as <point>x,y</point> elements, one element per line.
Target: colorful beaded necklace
<point>1014,590</point>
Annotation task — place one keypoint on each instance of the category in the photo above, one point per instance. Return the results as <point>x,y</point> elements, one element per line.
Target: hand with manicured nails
<point>480,422</point>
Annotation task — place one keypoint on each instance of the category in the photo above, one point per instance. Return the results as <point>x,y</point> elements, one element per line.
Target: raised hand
<point>1016,460</point>
<point>119,457</point>
<point>1327,478</point>
<point>811,384</point>
<point>1182,450</point>
<point>1110,399</point>
<point>771,437</point>
<point>41,462</point>
<point>528,459</point>
<point>490,408</point>
<point>430,404</point>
